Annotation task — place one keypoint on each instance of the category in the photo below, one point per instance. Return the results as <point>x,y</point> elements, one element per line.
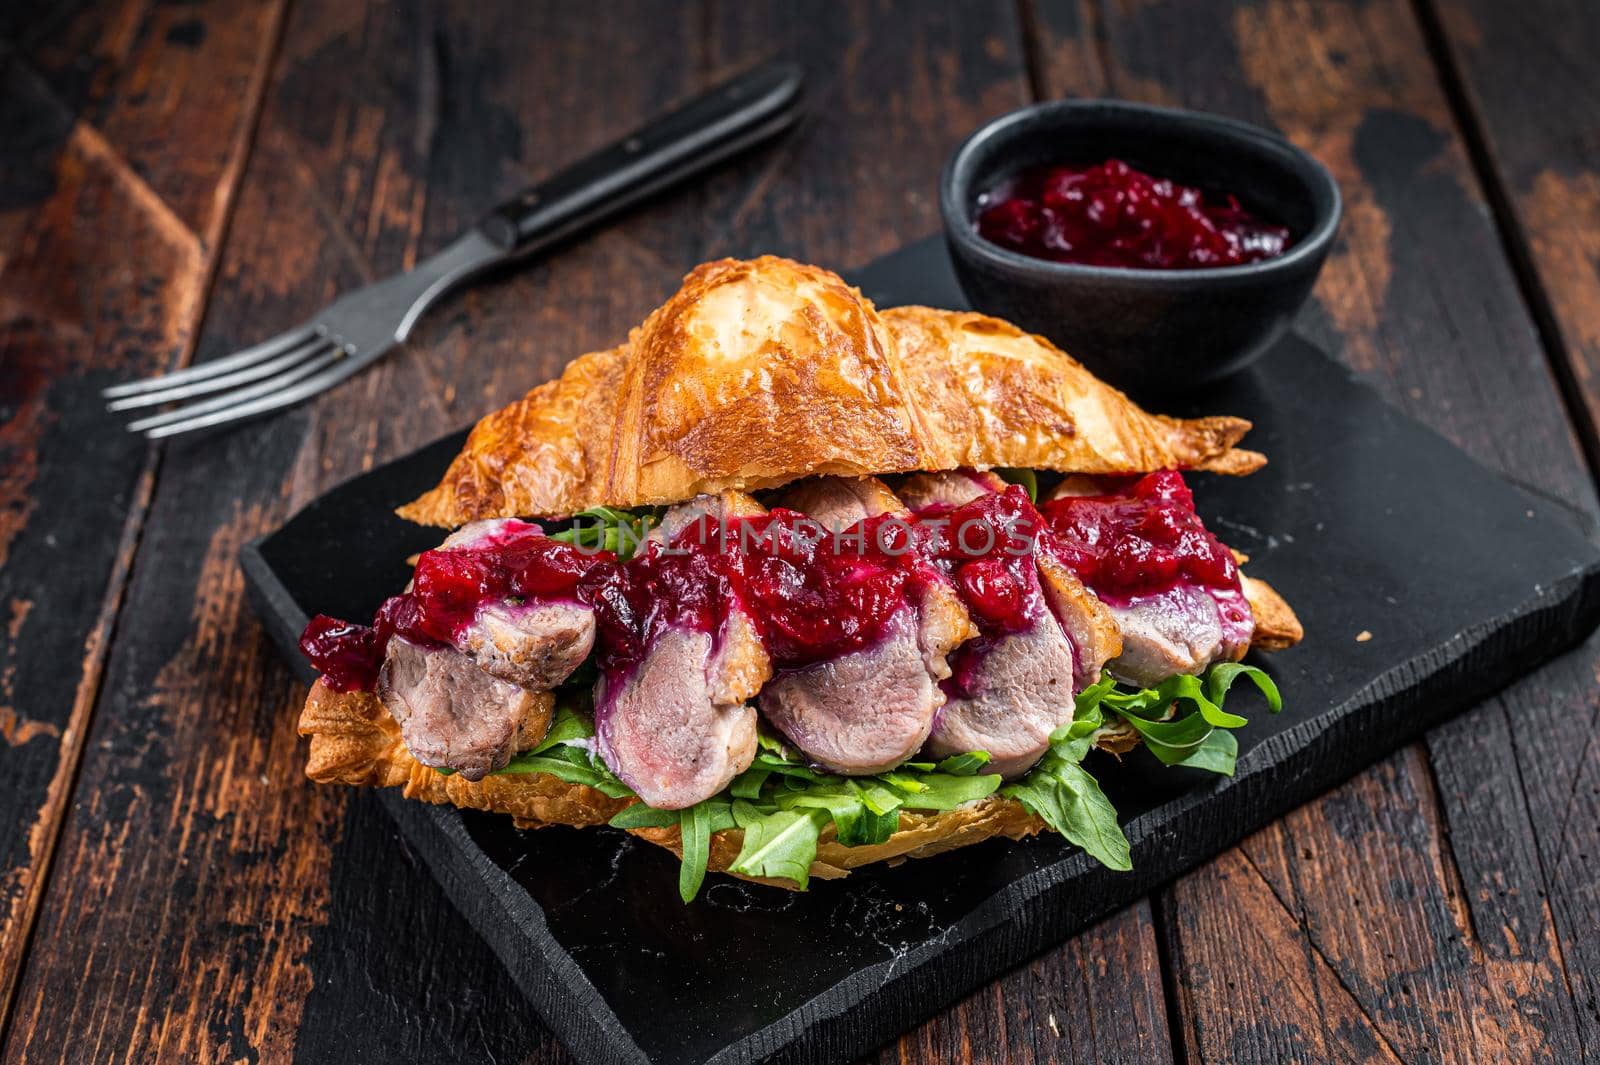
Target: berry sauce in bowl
<point>1110,214</point>
<point>1163,249</point>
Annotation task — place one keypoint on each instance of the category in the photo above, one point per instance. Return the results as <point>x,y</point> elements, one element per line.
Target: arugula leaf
<point>945,791</point>
<point>568,725</point>
<point>641,816</point>
<point>747,785</point>
<point>877,796</point>
<point>694,824</point>
<point>769,743</point>
<point>572,764</point>
<point>774,764</point>
<point>1220,677</point>
<point>621,532</point>
<point>1069,800</point>
<point>1025,477</point>
<point>963,765</point>
<point>1189,741</point>
<point>855,823</point>
<point>1204,693</point>
<point>778,844</point>
<point>1196,739</point>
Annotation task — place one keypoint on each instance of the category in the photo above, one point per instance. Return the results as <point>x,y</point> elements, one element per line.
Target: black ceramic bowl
<point>1150,331</point>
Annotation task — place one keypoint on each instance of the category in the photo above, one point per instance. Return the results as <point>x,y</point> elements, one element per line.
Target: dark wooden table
<point>179,180</point>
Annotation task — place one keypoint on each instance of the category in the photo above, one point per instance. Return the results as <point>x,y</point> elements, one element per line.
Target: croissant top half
<point>758,373</point>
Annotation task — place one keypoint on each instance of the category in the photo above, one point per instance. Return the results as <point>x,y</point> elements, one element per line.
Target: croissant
<point>754,375</point>
<point>759,373</point>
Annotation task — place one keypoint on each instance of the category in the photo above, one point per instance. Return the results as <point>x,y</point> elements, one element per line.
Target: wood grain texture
<point>249,898</point>
<point>1402,916</point>
<point>1528,81</point>
<point>209,904</point>
<point>122,131</point>
<point>1527,77</point>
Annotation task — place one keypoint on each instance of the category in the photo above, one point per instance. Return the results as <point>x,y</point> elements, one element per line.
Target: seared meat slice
<point>837,503</point>
<point>453,715</point>
<point>869,710</point>
<point>1009,696</point>
<point>669,729</point>
<point>949,489</point>
<point>676,726</point>
<point>1012,689</point>
<point>1181,630</point>
<point>533,645</point>
<point>1087,623</point>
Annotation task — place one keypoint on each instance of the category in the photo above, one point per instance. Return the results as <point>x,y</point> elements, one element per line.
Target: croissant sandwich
<point>790,585</point>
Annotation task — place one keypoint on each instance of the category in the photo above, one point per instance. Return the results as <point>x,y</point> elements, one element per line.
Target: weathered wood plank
<point>1420,298</point>
<point>1096,998</point>
<point>1527,74</point>
<point>120,143</point>
<point>210,903</point>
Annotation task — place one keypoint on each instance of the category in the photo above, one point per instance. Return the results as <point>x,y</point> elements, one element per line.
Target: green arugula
<point>783,804</point>
<point>1182,720</point>
<point>1062,793</point>
<point>781,844</point>
<point>1023,476</point>
<point>621,532</point>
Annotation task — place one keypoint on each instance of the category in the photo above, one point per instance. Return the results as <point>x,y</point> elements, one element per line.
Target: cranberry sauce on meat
<point>511,565</point>
<point>869,702</point>
<point>986,545</point>
<point>1041,637</point>
<point>680,656</point>
<point>514,562</point>
<point>814,593</point>
<point>971,606</point>
<point>1140,540</point>
<point>1173,587</point>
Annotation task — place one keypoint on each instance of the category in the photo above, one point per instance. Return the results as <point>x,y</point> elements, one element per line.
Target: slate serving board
<point>1364,520</point>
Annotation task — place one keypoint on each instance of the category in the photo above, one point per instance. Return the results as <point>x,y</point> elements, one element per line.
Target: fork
<point>360,327</point>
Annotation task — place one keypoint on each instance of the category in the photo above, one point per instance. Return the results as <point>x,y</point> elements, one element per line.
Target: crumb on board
<point>1363,636</point>
<point>1052,1019</point>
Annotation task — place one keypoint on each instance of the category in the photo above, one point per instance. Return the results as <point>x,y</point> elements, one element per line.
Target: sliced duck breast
<point>870,709</point>
<point>1183,628</point>
<point>530,643</point>
<point>453,715</point>
<point>672,715</point>
<point>1014,685</point>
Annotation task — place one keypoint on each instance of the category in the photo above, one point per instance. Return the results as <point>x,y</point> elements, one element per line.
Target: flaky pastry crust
<point>759,373</point>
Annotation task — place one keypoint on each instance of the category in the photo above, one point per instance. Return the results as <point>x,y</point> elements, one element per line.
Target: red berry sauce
<point>987,546</point>
<point>517,562</point>
<point>1142,539</point>
<point>1113,215</point>
<point>813,593</point>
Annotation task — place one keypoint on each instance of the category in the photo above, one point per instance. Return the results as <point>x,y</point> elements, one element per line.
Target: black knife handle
<point>736,115</point>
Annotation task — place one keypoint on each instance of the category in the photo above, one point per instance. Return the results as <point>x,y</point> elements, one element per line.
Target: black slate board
<point>1364,519</point>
